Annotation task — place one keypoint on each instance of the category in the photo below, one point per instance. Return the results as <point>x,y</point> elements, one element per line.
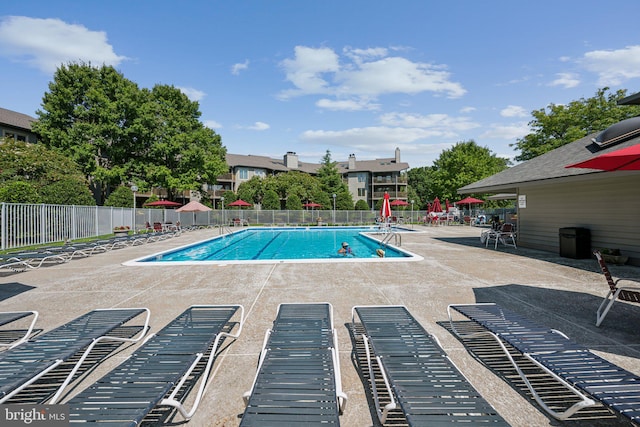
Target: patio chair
<point>622,293</point>
<point>587,376</point>
<point>505,235</point>
<point>160,371</point>
<point>418,376</point>
<point>36,259</point>
<point>298,376</point>
<point>26,363</point>
<point>14,264</point>
<point>9,317</point>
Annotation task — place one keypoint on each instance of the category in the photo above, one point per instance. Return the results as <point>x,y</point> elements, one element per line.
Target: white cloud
<point>566,80</point>
<point>347,105</point>
<point>369,137</point>
<point>47,43</point>
<point>441,123</point>
<point>614,67</point>
<point>366,73</point>
<point>212,124</point>
<point>510,132</point>
<point>259,126</point>
<point>236,68</point>
<point>192,94</point>
<point>306,69</point>
<point>513,111</point>
<point>465,110</point>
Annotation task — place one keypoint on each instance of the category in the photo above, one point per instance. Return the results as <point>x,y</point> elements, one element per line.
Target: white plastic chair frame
<point>27,334</point>
<point>206,375</point>
<point>584,402</point>
<point>614,290</point>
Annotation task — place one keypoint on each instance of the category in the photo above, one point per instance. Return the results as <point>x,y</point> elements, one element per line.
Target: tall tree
<point>331,183</point>
<point>464,163</point>
<point>120,134</point>
<point>183,154</point>
<point>557,125</point>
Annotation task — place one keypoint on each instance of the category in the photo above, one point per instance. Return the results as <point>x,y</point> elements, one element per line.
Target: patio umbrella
<point>437,207</point>
<point>163,203</point>
<point>399,203</point>
<point>240,203</point>
<point>469,201</point>
<point>625,159</point>
<point>385,210</point>
<point>194,206</point>
<point>447,204</point>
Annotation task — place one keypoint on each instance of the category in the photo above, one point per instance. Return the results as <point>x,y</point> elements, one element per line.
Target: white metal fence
<point>38,224</point>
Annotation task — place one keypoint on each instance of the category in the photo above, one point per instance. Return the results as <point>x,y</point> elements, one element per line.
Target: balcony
<point>225,177</point>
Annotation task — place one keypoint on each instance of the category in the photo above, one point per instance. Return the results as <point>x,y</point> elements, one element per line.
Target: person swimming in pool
<point>345,249</point>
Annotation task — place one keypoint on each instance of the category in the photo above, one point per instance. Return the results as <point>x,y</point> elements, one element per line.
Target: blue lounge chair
<point>24,364</point>
<point>589,377</point>
<point>156,373</point>
<point>9,317</point>
<point>298,376</point>
<point>418,376</point>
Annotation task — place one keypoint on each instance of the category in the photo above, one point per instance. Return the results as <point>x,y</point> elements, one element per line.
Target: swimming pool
<point>281,244</point>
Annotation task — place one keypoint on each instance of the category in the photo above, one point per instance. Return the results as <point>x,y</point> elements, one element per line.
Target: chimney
<point>291,160</point>
<point>397,155</point>
<point>352,161</point>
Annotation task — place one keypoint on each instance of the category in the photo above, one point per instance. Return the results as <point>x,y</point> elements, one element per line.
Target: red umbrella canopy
<point>470,201</point>
<point>399,203</point>
<point>163,203</point>
<point>241,203</point>
<point>447,205</point>
<point>625,159</point>
<point>312,205</point>
<point>437,207</point>
<point>194,206</point>
<point>385,210</point>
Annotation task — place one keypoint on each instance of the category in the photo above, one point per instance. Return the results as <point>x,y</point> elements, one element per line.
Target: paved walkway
<point>559,292</point>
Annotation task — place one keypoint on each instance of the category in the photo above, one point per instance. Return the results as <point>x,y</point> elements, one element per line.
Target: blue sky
<point>348,76</point>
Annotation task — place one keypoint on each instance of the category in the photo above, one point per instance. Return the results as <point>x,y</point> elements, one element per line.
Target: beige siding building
<point>551,197</point>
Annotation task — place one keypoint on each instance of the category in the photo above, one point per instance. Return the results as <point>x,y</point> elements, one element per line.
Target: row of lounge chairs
<point>298,380</point>
<point>28,260</point>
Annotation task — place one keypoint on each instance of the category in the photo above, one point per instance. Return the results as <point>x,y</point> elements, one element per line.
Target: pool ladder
<point>392,234</point>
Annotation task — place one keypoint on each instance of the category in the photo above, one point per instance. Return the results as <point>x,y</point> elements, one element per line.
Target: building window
<point>243,174</point>
<point>9,135</point>
<point>22,138</point>
<point>362,192</point>
<point>260,173</point>
<point>362,177</point>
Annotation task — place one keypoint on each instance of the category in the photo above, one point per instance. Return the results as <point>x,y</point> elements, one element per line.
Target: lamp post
<point>334,208</point>
<point>134,188</point>
<point>222,202</point>
<point>412,213</point>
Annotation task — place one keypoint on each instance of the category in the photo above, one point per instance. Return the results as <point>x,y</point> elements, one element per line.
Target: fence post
<point>4,226</point>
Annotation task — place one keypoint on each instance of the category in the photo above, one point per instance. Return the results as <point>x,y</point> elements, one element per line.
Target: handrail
<point>387,238</point>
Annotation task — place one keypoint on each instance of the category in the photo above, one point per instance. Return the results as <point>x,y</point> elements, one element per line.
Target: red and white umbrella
<point>437,207</point>
<point>385,210</point>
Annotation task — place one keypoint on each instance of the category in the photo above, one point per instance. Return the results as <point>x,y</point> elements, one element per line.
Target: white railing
<point>40,224</point>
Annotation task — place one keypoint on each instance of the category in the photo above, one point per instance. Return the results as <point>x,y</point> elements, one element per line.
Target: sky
<point>347,76</point>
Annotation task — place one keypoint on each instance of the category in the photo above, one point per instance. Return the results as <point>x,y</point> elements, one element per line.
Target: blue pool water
<point>262,244</point>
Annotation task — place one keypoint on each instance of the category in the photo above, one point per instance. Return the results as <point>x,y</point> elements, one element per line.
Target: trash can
<point>575,242</point>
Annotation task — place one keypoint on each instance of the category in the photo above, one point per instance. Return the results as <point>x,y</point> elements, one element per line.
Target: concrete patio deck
<point>558,292</point>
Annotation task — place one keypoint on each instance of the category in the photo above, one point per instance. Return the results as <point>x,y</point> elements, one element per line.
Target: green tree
<point>362,205</point>
<point>67,191</point>
<point>464,163</point>
<point>252,191</point>
<point>121,197</point>
<point>271,201</point>
<point>120,134</point>
<point>331,183</point>
<point>55,178</point>
<point>557,125</point>
<point>293,203</point>
<point>182,153</point>
<point>19,191</point>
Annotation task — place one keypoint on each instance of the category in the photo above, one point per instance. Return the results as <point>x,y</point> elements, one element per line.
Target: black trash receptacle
<point>575,242</point>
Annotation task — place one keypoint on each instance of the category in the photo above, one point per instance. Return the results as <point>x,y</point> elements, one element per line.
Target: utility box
<point>575,242</point>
